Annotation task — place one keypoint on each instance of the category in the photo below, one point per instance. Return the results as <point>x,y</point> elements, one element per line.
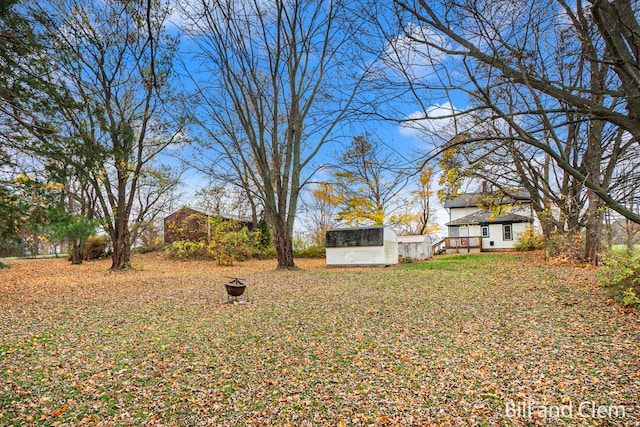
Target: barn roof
<point>209,214</point>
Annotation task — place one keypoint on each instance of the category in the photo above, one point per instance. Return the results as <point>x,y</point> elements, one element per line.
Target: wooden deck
<point>454,245</point>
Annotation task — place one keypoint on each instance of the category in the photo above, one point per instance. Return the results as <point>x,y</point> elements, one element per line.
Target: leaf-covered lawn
<point>447,342</point>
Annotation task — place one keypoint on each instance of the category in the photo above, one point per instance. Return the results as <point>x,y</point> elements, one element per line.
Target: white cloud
<point>441,120</point>
<point>177,17</point>
<point>415,53</point>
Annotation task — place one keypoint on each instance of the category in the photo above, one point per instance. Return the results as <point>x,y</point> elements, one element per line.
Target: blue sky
<point>407,139</point>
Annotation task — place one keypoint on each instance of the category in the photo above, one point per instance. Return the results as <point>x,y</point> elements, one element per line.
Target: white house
<point>473,229</point>
<point>361,246</point>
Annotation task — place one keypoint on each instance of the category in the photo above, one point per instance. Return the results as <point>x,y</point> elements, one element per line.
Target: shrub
<point>310,252</point>
<point>265,234</point>
<point>629,297</point>
<point>529,240</point>
<point>10,247</point>
<point>186,249</point>
<point>227,247</point>
<point>228,244</point>
<point>96,247</point>
<point>565,246</point>
<point>264,253</point>
<point>621,274</point>
<point>154,245</point>
<point>404,260</point>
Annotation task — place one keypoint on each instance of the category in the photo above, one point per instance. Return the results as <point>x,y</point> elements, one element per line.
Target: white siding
<point>460,212</point>
<point>496,236</point>
<point>357,255</point>
<point>366,255</point>
<point>390,247</point>
<point>517,229</point>
<point>475,231</point>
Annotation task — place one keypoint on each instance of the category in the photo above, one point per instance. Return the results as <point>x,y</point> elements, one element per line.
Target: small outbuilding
<point>415,247</point>
<point>194,224</point>
<point>365,246</point>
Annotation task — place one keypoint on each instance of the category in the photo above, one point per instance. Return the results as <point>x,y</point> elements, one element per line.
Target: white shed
<point>415,247</point>
<point>361,246</point>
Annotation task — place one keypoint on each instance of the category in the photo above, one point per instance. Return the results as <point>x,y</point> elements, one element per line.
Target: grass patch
<point>623,248</point>
<point>318,346</point>
<point>461,261</point>
<point>43,256</point>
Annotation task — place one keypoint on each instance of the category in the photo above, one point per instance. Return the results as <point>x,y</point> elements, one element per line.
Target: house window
<point>506,232</point>
<point>454,231</point>
<point>485,231</point>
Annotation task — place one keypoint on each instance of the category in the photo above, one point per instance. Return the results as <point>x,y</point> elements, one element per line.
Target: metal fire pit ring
<point>235,288</point>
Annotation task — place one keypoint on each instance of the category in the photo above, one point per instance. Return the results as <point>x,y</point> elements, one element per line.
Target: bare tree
<point>319,212</point>
<point>231,188</point>
<point>539,89</point>
<point>115,61</point>
<point>278,79</point>
<point>495,43</point>
<point>155,196</point>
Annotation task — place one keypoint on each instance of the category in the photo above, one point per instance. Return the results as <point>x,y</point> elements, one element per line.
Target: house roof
<point>483,218</point>
<point>471,199</point>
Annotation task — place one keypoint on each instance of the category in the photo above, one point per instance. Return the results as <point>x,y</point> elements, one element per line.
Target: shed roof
<point>366,227</point>
<point>483,218</point>
<point>414,238</point>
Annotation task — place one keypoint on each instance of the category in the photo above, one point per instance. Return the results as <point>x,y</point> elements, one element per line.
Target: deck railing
<point>462,244</point>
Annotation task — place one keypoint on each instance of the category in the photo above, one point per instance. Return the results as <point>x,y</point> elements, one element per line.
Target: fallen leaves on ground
<point>448,342</point>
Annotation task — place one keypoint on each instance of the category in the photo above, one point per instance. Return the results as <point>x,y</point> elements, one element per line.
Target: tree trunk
<point>630,234</point>
<point>121,255</point>
<point>283,243</point>
<point>81,249</point>
<point>593,235</point>
<point>608,225</point>
<point>547,228</point>
<point>547,224</point>
<point>254,214</point>
<point>76,252</point>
